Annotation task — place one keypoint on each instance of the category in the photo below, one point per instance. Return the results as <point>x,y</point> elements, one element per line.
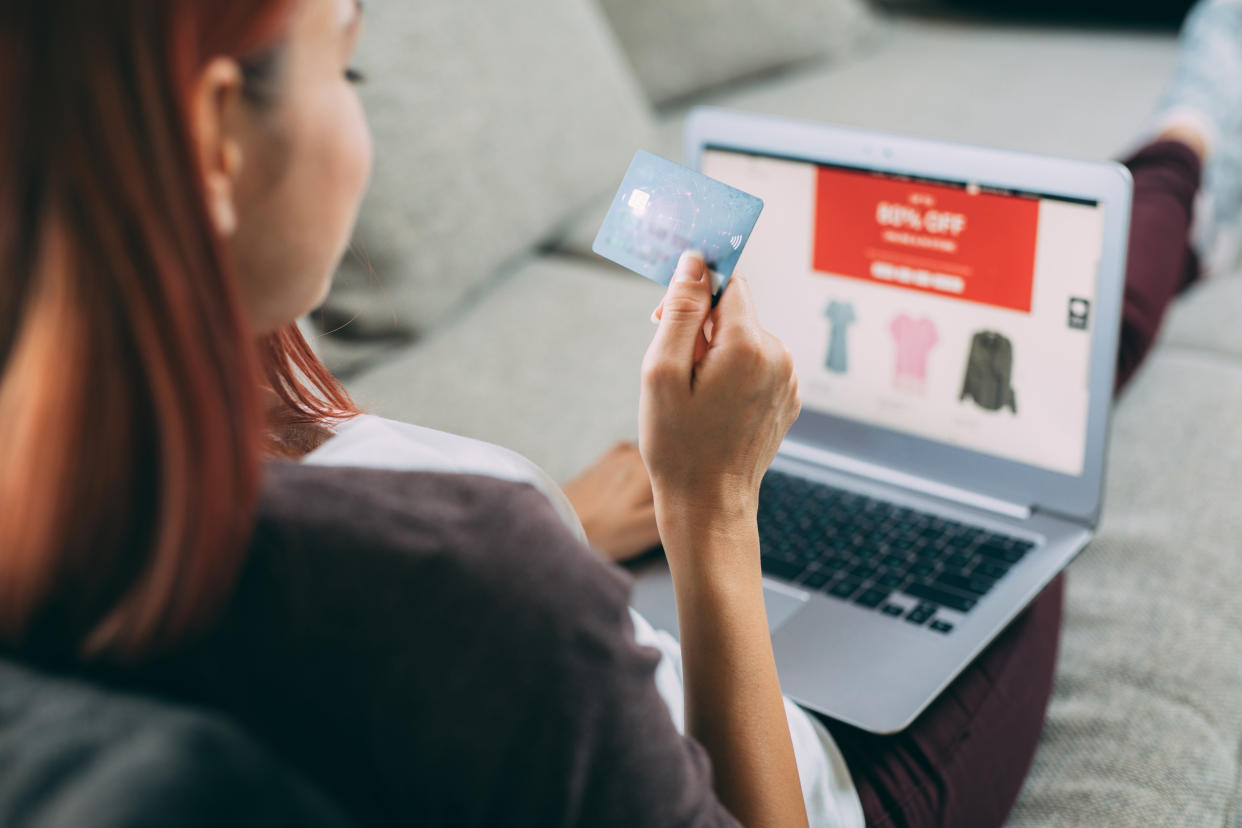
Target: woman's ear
<point>217,103</point>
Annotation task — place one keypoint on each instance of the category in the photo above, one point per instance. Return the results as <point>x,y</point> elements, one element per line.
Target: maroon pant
<point>962,763</point>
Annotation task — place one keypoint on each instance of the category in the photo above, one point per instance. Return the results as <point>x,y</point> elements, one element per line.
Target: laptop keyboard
<point>866,551</point>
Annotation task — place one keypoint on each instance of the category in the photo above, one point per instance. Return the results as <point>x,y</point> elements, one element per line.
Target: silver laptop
<point>954,314</point>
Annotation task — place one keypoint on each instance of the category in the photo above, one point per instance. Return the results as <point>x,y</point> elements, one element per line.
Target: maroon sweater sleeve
<point>440,650</point>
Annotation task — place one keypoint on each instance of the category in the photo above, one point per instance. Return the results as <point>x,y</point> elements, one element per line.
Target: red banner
<point>932,238</point>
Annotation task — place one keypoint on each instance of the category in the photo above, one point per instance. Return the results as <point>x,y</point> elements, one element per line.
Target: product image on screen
<point>954,311</point>
<point>664,209</point>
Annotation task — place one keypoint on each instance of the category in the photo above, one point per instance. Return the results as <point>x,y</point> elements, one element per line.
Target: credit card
<point>664,209</point>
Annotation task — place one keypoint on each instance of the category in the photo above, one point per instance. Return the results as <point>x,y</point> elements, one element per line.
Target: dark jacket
<point>989,372</point>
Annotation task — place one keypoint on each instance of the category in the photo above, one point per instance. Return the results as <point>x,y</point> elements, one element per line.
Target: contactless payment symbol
<point>1079,313</point>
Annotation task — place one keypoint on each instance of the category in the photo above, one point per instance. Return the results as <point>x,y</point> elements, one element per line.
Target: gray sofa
<point>475,306</point>
<point>78,754</point>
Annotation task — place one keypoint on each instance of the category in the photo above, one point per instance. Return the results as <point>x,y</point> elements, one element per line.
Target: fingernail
<point>690,267</point>
<point>655,320</point>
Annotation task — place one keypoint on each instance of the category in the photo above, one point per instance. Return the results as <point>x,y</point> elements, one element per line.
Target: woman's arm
<point>713,414</point>
<point>733,695</point>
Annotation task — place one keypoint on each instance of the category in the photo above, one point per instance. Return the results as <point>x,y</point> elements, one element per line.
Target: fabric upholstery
<point>685,47</point>
<point>547,364</point>
<point>1046,90</point>
<point>1059,91</point>
<point>1145,724</point>
<point>73,754</point>
<point>1206,319</point>
<point>493,123</point>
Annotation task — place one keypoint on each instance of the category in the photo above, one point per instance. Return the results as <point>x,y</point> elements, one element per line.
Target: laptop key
<point>1010,542</point>
<point>942,627</point>
<point>890,580</point>
<point>922,570</point>
<point>779,552</point>
<point>863,571</point>
<point>959,562</point>
<point>867,550</point>
<point>872,598</point>
<point>844,588</point>
<point>840,544</point>
<point>941,596</point>
<point>975,586</point>
<point>921,613</point>
<point>834,562</point>
<point>816,579</point>
<point>782,569</point>
<point>992,570</point>
<point>1008,555</point>
<point>893,609</point>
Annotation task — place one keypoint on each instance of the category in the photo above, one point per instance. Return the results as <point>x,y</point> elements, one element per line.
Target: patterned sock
<point>1205,95</point>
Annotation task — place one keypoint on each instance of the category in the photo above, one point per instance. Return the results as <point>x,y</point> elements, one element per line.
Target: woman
<point>425,646</point>
<point>184,181</point>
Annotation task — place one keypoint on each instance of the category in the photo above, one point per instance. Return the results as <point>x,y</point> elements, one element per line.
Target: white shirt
<point>369,441</point>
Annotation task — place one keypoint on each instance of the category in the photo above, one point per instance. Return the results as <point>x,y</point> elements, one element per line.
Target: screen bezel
<point>1107,184</point>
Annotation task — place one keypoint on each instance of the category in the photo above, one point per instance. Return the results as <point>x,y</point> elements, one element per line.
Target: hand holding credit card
<point>664,209</point>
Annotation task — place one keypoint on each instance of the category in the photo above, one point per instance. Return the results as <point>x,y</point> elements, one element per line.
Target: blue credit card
<point>664,209</point>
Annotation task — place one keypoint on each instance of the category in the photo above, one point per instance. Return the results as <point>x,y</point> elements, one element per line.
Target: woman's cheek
<point>361,150</point>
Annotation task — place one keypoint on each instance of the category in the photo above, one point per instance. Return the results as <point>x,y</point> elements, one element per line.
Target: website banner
<point>944,240</point>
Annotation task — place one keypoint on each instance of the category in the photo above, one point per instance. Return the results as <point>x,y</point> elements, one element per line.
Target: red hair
<point>132,393</point>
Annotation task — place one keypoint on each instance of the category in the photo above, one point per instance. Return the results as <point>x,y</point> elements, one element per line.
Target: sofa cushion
<point>493,123</point>
<point>680,48</point>
<point>1144,726</point>
<point>547,364</point>
<point>1036,89</point>
<point>1050,91</point>
<point>1206,318</point>
<point>74,753</point>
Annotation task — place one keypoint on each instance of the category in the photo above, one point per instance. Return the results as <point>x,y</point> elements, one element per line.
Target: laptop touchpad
<point>780,605</point>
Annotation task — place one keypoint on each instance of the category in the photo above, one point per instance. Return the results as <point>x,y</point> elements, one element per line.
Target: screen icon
<point>1079,313</point>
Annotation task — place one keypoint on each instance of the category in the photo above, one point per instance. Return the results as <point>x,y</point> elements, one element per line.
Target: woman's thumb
<point>686,307</point>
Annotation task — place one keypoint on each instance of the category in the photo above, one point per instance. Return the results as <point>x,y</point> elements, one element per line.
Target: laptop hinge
<point>871,471</point>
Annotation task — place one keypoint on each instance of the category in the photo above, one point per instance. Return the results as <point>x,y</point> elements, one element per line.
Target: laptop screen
<point>946,310</point>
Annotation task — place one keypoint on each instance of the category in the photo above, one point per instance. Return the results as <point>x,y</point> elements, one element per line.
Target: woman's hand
<point>715,407</point>
<point>712,413</point>
<point>614,502</point>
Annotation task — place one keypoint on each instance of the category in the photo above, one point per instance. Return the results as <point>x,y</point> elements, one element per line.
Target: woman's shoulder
<point>373,442</point>
<point>483,539</point>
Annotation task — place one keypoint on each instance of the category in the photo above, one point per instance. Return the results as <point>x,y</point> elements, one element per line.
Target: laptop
<point>954,315</point>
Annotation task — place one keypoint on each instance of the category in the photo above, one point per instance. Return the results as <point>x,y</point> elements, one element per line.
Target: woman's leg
<point>1162,263</point>
<point>963,762</point>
